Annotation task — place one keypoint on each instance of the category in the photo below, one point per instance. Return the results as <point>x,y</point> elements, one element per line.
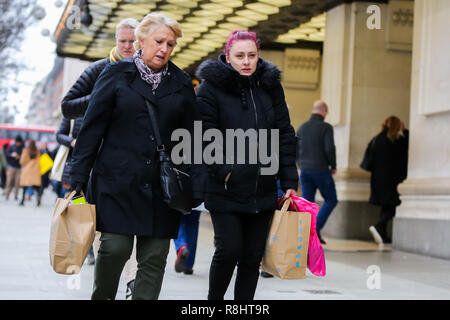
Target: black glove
<point>78,187</point>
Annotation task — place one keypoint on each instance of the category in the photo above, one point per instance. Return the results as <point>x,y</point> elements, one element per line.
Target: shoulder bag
<point>176,184</point>
<point>367,162</point>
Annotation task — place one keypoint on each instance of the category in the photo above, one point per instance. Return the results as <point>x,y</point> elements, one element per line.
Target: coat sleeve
<point>329,147</point>
<point>287,172</point>
<point>191,114</point>
<point>62,135</point>
<point>76,101</point>
<point>209,114</point>
<point>95,124</point>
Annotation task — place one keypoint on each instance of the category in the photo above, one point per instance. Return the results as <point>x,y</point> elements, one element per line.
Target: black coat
<point>228,100</point>
<point>76,100</point>
<point>390,165</point>
<point>63,137</point>
<point>315,145</point>
<point>13,162</point>
<point>117,135</point>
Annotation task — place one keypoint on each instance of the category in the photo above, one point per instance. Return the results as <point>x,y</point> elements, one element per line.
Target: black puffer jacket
<point>64,138</point>
<point>228,100</point>
<point>75,102</point>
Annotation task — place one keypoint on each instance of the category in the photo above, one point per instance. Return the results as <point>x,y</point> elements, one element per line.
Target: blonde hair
<point>127,23</point>
<point>393,126</point>
<point>152,21</point>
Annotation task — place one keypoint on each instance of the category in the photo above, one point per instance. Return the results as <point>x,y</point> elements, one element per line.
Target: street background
<point>26,274</point>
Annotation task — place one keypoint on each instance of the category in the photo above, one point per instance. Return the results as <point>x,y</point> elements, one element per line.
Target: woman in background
<point>30,176</point>
<point>390,167</point>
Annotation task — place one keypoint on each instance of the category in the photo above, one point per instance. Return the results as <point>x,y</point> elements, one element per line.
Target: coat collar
<point>316,116</point>
<point>223,75</point>
<point>170,84</point>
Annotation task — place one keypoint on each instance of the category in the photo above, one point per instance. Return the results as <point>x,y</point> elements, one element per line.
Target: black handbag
<point>367,162</point>
<point>176,184</point>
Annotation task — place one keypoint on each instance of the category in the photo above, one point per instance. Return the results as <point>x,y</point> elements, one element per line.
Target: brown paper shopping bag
<point>286,254</point>
<point>71,236</point>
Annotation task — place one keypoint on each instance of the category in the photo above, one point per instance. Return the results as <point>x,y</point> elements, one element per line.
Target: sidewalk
<point>25,271</point>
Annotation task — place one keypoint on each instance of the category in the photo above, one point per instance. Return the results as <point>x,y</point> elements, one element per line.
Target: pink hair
<point>240,35</point>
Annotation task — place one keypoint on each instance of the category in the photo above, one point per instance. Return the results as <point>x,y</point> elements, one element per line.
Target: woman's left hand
<point>288,193</point>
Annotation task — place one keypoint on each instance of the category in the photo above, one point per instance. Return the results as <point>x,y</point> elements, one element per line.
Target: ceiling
<point>205,25</point>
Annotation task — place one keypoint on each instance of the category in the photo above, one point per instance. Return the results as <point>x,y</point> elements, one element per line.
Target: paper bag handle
<point>72,194</point>
<point>286,204</point>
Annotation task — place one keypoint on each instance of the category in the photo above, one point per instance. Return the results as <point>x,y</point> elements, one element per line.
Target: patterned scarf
<point>114,55</point>
<point>147,74</point>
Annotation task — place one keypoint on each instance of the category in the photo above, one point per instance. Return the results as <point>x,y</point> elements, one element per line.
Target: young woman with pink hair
<point>240,90</point>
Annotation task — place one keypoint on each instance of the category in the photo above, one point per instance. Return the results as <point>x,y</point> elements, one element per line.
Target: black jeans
<point>240,239</point>
<point>387,212</point>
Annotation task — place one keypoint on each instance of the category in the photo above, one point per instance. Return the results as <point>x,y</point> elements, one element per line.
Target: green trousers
<point>115,250</point>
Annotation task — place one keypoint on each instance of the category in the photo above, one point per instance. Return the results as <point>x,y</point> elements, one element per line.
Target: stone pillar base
<point>351,220</point>
<point>430,237</point>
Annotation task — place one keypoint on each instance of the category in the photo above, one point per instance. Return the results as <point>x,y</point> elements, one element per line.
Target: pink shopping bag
<point>316,256</point>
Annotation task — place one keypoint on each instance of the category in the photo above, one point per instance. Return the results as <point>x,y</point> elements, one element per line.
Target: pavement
<point>26,274</point>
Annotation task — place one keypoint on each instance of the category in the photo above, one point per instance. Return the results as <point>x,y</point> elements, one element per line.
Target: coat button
<point>152,138</point>
<point>146,186</point>
<point>149,161</point>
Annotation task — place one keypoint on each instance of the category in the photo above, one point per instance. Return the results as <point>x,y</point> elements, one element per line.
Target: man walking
<point>316,156</point>
<point>75,102</point>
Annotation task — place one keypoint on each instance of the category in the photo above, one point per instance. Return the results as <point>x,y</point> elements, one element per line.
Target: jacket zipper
<point>257,145</point>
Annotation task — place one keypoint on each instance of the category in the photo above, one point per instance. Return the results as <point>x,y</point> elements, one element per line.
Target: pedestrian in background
<point>68,138</point>
<point>186,243</point>
<point>3,168</point>
<point>45,178</point>
<point>389,168</point>
<point>30,175</point>
<point>76,100</point>
<point>240,90</point>
<point>117,143</point>
<point>316,156</point>
<point>13,154</point>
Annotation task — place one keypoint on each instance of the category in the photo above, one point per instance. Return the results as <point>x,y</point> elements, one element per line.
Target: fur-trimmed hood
<point>223,75</point>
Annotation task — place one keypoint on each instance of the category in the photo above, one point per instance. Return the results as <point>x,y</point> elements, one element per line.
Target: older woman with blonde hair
<point>117,142</point>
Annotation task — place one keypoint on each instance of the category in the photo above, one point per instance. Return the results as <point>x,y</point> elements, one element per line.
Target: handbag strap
<point>72,124</point>
<point>159,144</point>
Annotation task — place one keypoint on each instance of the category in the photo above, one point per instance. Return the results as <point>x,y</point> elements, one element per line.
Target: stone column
<point>365,78</point>
<point>301,79</point>
<point>422,223</point>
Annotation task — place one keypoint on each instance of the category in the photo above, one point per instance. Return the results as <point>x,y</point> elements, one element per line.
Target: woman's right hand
<point>227,177</point>
<point>78,187</point>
